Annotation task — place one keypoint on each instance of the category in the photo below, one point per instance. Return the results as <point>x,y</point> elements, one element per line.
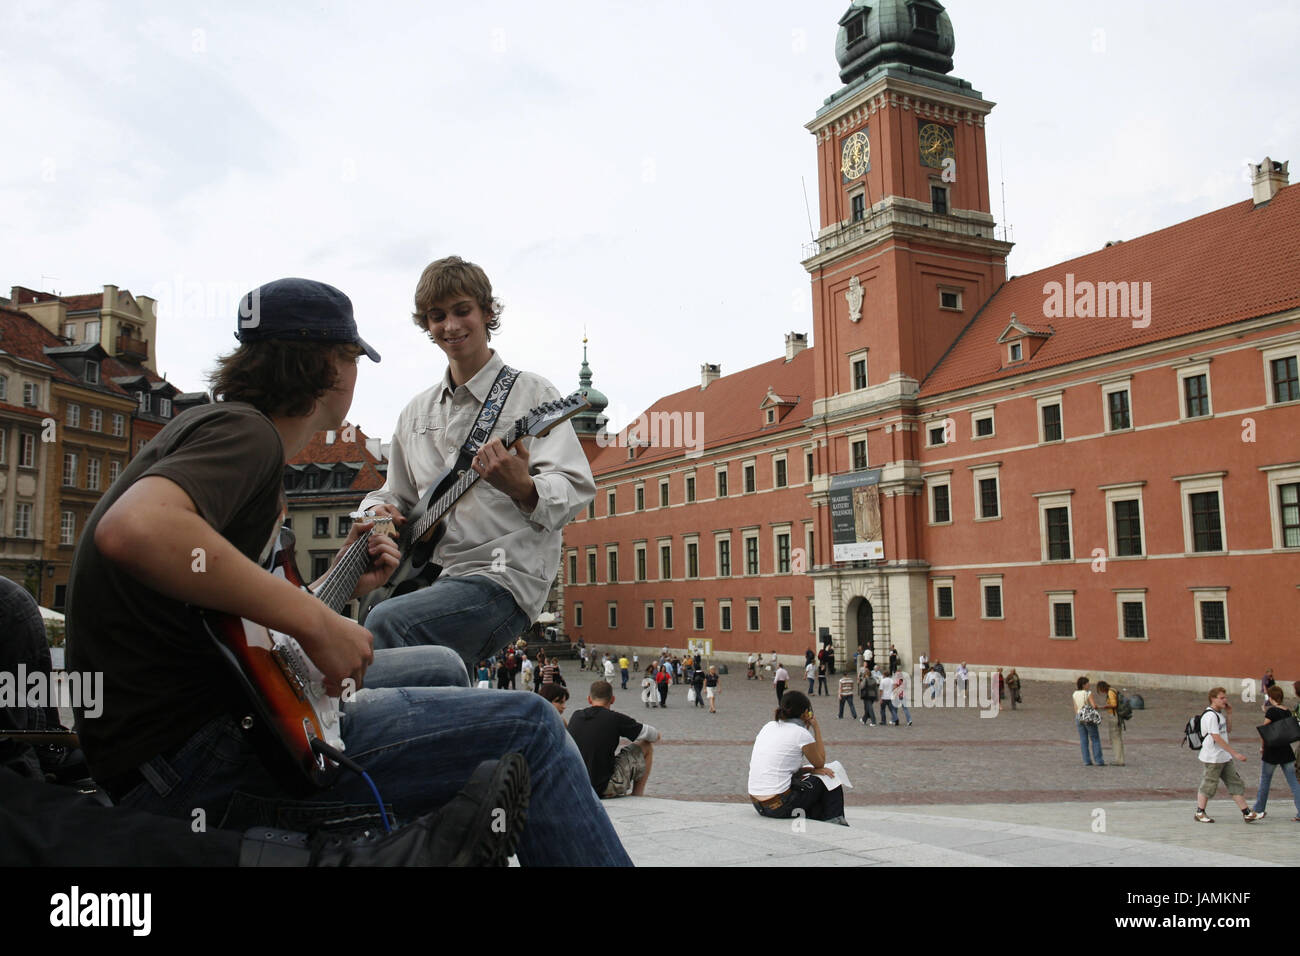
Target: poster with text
<point>855,516</point>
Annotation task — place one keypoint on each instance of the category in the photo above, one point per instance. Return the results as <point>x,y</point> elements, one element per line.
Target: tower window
<point>856,29</point>
<point>858,204</point>
<point>939,200</point>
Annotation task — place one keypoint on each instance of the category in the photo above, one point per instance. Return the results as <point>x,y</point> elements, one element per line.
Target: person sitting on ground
<point>788,763</point>
<point>598,731</point>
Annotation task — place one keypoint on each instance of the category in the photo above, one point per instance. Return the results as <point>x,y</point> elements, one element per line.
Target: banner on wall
<point>856,533</point>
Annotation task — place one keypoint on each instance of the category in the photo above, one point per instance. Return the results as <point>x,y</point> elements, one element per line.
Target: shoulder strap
<point>488,415</point>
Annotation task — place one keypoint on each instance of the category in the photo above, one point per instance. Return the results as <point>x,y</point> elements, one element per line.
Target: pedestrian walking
<point>711,689</point>
<point>697,686</point>
<point>779,679</point>
<point>869,691</point>
<point>848,689</point>
<point>822,689</point>
<point>1275,757</point>
<point>1013,690</point>
<point>1217,757</point>
<point>810,672</point>
<point>1108,697</point>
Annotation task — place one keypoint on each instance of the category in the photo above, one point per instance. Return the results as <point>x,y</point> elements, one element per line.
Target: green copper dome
<point>873,33</point>
<point>589,420</point>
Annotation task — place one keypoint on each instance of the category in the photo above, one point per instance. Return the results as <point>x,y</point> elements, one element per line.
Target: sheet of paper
<point>840,779</point>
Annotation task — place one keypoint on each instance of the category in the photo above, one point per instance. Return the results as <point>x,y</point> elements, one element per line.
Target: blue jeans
<point>474,616</point>
<point>419,743</point>
<point>892,709</point>
<point>1266,778</point>
<point>852,709</point>
<point>1089,732</point>
<point>906,713</point>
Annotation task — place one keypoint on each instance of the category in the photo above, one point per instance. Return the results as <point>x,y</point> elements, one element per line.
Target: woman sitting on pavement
<point>780,778</point>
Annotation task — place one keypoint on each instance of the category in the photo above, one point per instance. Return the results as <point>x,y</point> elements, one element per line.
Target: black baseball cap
<point>298,309</point>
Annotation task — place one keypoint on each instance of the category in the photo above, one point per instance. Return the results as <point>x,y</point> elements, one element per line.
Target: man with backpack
<point>1111,714</point>
<point>1217,758</point>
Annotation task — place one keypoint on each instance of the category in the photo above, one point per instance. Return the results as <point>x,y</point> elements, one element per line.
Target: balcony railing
<point>128,346</point>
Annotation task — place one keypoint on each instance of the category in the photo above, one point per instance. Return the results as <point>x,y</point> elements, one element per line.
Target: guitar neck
<point>341,580</point>
<point>464,482</point>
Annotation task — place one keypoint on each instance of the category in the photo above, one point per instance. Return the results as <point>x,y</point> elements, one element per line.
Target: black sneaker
<point>481,826</point>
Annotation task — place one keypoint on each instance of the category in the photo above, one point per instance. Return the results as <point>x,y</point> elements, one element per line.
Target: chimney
<point>373,446</point>
<point>110,298</point>
<point>795,342</point>
<point>1267,178</point>
<point>709,373</point>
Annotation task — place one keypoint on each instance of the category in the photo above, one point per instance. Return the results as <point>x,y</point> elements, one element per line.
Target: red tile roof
<point>730,410</point>
<point>24,337</point>
<point>1233,264</point>
<point>319,453</point>
<point>75,303</point>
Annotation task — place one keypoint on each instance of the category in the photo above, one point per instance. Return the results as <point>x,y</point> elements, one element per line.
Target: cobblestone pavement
<point>948,756</point>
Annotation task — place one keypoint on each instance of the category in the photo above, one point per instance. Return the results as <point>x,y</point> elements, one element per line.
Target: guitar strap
<point>487,416</point>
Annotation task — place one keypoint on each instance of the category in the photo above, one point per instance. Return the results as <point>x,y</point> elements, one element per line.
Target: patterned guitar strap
<point>487,416</point>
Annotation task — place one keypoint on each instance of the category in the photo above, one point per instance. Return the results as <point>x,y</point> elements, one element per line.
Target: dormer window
<point>92,372</point>
<point>165,407</point>
<point>924,17</point>
<point>856,28</point>
<point>771,415</point>
<point>1015,352</point>
<point>143,399</point>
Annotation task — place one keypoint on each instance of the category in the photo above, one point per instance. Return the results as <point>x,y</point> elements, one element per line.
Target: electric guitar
<point>285,689</point>
<point>425,526</point>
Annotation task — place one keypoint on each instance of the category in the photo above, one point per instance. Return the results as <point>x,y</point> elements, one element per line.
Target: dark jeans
<point>780,689</point>
<point>663,694</point>
<point>816,802</point>
<point>852,709</point>
<point>869,709</point>
<point>821,686</point>
<point>892,709</point>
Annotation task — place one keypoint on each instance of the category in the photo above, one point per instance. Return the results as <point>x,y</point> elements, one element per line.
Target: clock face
<point>936,144</point>
<point>855,156</point>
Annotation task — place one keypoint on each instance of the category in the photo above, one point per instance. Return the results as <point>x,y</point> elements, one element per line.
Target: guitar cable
<point>321,748</point>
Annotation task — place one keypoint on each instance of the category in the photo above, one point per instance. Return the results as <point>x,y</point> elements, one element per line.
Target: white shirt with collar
<point>487,532</point>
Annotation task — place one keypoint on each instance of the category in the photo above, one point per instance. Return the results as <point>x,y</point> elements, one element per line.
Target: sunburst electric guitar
<point>283,688</point>
<point>425,526</point>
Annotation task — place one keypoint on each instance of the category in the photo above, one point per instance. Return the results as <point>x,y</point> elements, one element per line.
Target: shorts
<point>1227,772</point>
<point>629,767</point>
<point>710,692</point>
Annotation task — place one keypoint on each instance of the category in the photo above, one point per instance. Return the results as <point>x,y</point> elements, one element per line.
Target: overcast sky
<point>635,170</point>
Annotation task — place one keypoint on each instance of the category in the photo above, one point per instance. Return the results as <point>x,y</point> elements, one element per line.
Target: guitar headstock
<point>383,523</point>
<point>540,420</point>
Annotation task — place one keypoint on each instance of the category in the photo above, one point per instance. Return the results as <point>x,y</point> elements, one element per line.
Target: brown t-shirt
<point>163,678</point>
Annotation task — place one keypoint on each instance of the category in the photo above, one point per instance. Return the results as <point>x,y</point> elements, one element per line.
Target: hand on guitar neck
<point>507,472</point>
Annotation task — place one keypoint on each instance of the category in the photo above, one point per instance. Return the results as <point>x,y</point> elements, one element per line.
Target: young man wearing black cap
<point>188,523</point>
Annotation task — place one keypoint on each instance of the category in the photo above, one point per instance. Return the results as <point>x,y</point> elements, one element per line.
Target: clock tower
<point>905,256</point>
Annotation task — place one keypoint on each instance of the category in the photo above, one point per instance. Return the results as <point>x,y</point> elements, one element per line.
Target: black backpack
<point>1123,709</point>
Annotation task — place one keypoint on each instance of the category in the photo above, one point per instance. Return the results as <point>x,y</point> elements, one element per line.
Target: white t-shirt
<point>810,671</point>
<point>1211,752</point>
<point>777,754</point>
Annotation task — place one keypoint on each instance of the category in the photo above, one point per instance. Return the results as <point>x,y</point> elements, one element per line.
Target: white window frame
<point>611,502</point>
<point>165,407</point>
<point>4,388</point>
<point>989,580</point>
<point>114,470</point>
<point>1055,499</point>
<point>866,452</point>
<point>1053,599</point>
<point>1128,491</point>
<point>665,492</point>
<point>748,467</point>
<point>93,472</point>
<point>572,566</point>
<point>31,395</point>
<point>660,545</point>
<point>1012,348</point>
<point>1291,350</point>
<point>939,423</point>
<point>810,546</point>
<point>1132,596</point>
<point>933,480</point>
<point>718,490</point>
<point>72,415</point>
<point>1199,597</point>
<point>96,420</point>
<point>593,562</point>
<point>690,487</point>
<point>611,615</point>
<point>753,609</point>
<point>640,558</point>
<point>1191,371</point>
<point>854,359</point>
<point>1278,475</point>
<point>951,584</point>
<point>1124,384</point>
<point>1057,399</point>
<point>979,415</point>
<point>67,527</point>
<point>787,605</point>
<point>577,614</point>
<point>92,331</point>
<point>23,519</point>
<point>812,615</point>
<point>809,464</point>
<point>782,459</point>
<point>638,496</point>
<point>689,541</point>
<point>745,538</point>
<point>667,619</point>
<point>119,425</point>
<point>71,469</point>
<point>92,371</point>
<point>26,450</point>
<point>718,538</point>
<point>697,615</point>
<point>611,561</point>
<point>728,623</point>
<point>1189,485</point>
<point>648,615</point>
<point>951,290</point>
<point>978,473</point>
<point>777,531</point>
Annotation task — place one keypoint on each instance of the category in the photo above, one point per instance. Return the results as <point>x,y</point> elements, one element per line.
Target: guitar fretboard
<point>340,581</point>
<point>461,485</point>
